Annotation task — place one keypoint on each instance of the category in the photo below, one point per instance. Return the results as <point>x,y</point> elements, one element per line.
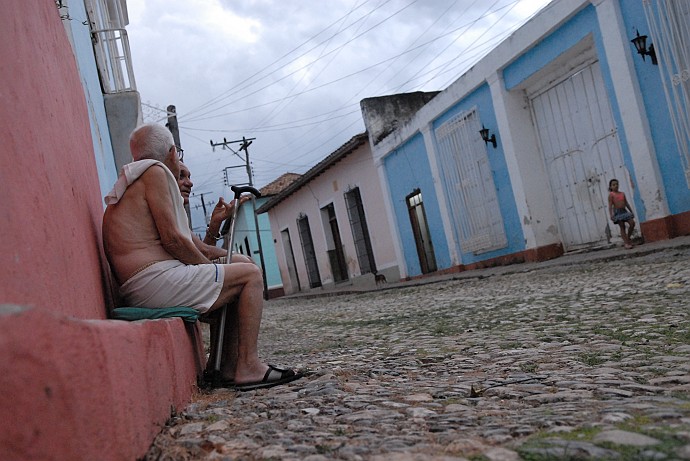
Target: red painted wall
<point>73,385</point>
<point>88,389</point>
<point>50,208</point>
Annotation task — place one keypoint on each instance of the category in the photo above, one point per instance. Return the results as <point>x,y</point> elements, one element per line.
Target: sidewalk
<point>580,257</point>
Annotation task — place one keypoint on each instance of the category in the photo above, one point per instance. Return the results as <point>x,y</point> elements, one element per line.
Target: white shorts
<point>174,284</point>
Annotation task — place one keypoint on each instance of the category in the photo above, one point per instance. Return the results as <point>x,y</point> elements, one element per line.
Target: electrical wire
<point>440,70</point>
<point>229,92</point>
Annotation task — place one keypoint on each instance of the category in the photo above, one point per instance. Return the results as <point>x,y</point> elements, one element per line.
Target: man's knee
<point>255,273</point>
<point>240,258</point>
<point>242,273</point>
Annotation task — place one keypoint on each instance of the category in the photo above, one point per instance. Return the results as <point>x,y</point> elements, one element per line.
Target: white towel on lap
<point>173,284</point>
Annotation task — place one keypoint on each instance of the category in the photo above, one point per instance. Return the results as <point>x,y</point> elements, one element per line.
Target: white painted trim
<point>392,221</point>
<point>503,119</point>
<point>429,142</point>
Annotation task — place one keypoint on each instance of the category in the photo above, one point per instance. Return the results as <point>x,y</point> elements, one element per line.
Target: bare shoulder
<point>154,175</point>
<point>155,182</point>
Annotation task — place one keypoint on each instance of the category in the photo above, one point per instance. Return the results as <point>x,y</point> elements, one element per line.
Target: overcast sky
<point>291,73</point>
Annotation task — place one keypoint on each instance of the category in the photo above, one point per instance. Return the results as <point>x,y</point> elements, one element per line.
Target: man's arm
<point>160,203</point>
<point>210,251</point>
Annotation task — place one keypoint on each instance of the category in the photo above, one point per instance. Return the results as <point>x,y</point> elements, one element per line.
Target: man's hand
<point>222,211</point>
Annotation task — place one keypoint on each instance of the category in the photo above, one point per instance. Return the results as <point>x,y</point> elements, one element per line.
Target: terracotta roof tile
<point>277,186</point>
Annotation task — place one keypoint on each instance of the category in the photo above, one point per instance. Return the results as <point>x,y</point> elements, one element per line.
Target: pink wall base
<point>89,389</point>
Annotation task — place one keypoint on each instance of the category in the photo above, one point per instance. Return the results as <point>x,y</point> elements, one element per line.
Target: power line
<point>318,142</point>
<point>337,80</point>
<point>474,22</point>
<point>305,66</point>
<point>223,95</point>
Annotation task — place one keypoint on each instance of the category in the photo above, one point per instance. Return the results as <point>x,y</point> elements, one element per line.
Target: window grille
<point>107,20</point>
<point>469,186</point>
<point>669,25</point>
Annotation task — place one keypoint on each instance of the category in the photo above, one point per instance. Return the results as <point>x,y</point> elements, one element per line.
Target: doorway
<point>579,143</point>
<point>308,251</point>
<point>334,244</point>
<point>290,261</point>
<point>360,231</point>
<point>420,229</point>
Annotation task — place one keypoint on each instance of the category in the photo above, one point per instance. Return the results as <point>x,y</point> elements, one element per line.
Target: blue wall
<point>481,98</point>
<point>552,46</point>
<point>667,152</point>
<point>246,228</point>
<point>407,168</point>
<point>86,62</point>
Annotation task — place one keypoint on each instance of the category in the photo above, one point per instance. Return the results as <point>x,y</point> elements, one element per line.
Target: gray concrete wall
<point>385,114</point>
<point>124,114</point>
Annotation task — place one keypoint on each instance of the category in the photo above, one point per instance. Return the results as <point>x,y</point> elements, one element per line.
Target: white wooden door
<point>582,154</point>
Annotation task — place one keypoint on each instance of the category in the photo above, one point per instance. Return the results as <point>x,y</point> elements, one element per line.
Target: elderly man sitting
<point>149,246</point>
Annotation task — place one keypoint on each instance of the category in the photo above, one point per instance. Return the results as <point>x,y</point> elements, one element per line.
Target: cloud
<point>292,73</point>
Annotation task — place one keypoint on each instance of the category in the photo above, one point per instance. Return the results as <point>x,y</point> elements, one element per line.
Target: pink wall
<point>357,169</point>
<point>50,208</point>
<point>88,389</point>
<point>73,385</point>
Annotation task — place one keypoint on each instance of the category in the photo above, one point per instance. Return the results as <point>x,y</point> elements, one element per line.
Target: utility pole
<point>203,205</point>
<point>244,146</point>
<point>173,127</point>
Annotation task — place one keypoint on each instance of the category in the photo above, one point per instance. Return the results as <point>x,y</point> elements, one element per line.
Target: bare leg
<point>247,322</point>
<point>631,228</point>
<point>240,258</point>
<point>230,344</point>
<point>624,236</point>
<point>231,333</point>
<point>244,282</point>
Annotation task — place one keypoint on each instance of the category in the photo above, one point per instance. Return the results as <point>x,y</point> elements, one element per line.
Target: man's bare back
<point>131,238</point>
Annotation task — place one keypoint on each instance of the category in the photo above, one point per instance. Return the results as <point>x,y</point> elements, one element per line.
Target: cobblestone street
<point>534,362</point>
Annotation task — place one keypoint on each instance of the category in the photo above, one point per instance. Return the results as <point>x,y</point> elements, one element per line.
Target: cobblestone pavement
<point>585,361</point>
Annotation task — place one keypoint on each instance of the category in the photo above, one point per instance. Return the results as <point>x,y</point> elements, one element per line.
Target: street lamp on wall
<point>484,132</point>
<point>640,42</point>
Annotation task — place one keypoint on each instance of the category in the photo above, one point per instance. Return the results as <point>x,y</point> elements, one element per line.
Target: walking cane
<point>224,310</point>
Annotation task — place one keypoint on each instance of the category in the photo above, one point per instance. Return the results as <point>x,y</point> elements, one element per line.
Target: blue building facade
<point>570,105</point>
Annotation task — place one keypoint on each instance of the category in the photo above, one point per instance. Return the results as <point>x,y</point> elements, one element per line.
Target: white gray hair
<point>150,141</point>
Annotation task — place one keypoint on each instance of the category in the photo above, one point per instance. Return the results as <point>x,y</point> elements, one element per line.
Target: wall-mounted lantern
<point>640,42</point>
<point>484,132</point>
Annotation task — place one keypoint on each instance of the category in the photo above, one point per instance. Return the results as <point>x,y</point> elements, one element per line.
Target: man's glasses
<point>180,152</point>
